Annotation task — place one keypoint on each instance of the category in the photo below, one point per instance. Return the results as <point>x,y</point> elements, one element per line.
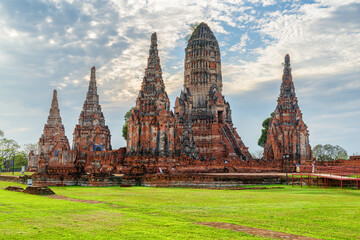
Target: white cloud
<point>312,39</point>
<point>49,19</point>
<point>268,2</point>
<point>136,21</point>
<point>241,45</point>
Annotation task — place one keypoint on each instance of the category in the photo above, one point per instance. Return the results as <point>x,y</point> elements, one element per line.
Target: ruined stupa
<point>288,135</point>
<point>53,142</point>
<point>91,134</point>
<point>151,124</point>
<point>203,116</point>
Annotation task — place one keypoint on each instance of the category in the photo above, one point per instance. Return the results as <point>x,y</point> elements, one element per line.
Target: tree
<point>21,159</point>
<point>329,152</point>
<point>8,150</point>
<point>265,125</point>
<point>319,152</point>
<point>125,127</point>
<point>192,27</point>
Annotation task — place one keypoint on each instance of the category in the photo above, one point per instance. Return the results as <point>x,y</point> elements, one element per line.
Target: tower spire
<point>287,133</point>
<point>91,129</point>
<point>91,114</point>
<point>153,70</point>
<point>91,95</point>
<point>151,123</point>
<point>53,137</point>
<point>287,86</point>
<point>54,113</point>
<point>54,103</point>
<point>153,86</point>
<point>287,68</point>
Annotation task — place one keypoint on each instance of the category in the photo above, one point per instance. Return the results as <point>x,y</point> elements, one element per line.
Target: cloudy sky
<point>46,45</point>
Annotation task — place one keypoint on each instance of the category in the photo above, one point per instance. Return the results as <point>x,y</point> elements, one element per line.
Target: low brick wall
<point>18,179</point>
<point>206,180</point>
<point>49,181</point>
<point>354,161</point>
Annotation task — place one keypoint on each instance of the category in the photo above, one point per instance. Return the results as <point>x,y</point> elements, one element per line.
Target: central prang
<point>203,117</point>
<point>202,127</point>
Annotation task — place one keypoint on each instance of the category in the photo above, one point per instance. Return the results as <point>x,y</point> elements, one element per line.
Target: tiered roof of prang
<point>54,126</point>
<point>152,96</point>
<point>287,133</point>
<point>91,113</point>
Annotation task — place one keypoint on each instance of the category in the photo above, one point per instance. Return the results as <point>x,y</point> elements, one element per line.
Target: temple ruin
<point>199,137</point>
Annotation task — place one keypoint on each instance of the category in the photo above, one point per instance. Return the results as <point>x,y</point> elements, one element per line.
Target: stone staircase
<point>232,140</point>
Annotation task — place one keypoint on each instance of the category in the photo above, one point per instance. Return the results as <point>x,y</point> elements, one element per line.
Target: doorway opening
<point>220,117</point>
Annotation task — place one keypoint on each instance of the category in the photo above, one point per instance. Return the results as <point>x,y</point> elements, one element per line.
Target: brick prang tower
<point>91,134</point>
<point>288,135</point>
<point>151,124</point>
<point>53,142</point>
<point>203,117</point>
<point>53,137</point>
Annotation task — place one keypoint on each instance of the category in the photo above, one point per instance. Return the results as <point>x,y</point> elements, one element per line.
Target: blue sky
<point>46,45</point>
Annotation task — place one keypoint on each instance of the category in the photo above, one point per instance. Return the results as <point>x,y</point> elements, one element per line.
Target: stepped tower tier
<point>202,69</point>
<point>91,134</point>
<point>151,124</point>
<point>202,114</point>
<point>53,141</point>
<point>288,135</point>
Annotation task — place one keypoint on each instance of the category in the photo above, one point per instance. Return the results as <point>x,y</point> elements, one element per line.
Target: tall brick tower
<point>203,116</point>
<point>53,137</point>
<point>151,124</point>
<point>91,134</point>
<point>53,140</point>
<point>287,134</point>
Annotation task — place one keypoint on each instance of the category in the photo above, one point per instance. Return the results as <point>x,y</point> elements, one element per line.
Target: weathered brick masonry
<point>199,137</point>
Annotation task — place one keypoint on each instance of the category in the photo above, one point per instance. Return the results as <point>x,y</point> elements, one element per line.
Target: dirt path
<point>255,231</point>
<point>61,197</point>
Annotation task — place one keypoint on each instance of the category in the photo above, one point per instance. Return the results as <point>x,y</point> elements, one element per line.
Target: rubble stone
<point>38,190</point>
<point>14,189</point>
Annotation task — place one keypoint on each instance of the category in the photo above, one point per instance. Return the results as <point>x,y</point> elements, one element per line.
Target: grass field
<point>170,213</point>
<point>16,173</point>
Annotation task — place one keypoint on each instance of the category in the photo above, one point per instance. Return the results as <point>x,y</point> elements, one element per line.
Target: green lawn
<point>16,173</point>
<point>170,213</point>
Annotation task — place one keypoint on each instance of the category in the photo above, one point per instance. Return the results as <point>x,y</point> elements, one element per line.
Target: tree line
<point>12,155</point>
